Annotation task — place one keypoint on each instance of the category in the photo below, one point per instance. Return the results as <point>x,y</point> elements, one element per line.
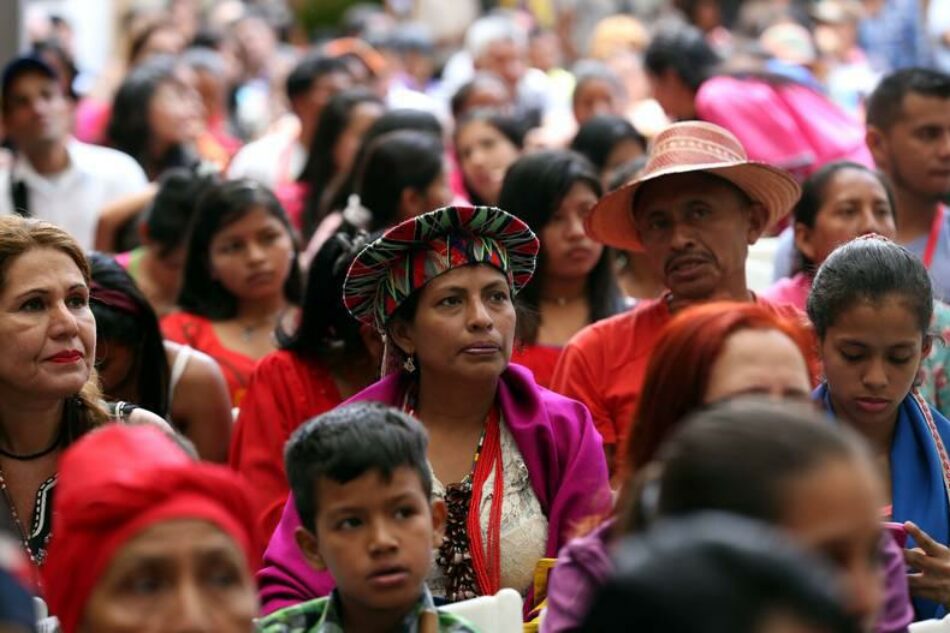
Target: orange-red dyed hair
<point>678,372</point>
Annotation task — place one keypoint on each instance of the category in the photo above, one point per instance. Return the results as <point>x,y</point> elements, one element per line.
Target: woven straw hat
<point>685,147</point>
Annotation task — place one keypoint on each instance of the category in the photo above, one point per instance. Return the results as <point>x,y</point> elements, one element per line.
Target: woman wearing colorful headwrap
<point>440,288</point>
<point>49,393</point>
<point>149,540</point>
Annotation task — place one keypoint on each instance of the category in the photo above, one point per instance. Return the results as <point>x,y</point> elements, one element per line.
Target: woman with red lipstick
<point>49,394</point>
<point>871,304</point>
<point>241,280</point>
<point>518,466</point>
<point>552,191</point>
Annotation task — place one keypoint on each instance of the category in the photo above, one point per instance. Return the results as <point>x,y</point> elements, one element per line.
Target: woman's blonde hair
<point>19,235</point>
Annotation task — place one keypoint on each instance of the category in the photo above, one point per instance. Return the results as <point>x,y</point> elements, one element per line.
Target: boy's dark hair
<point>869,269</point>
<point>887,100</point>
<point>349,441</point>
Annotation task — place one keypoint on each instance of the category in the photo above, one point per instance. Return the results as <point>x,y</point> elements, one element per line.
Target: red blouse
<point>198,332</point>
<point>540,359</point>
<point>284,391</point>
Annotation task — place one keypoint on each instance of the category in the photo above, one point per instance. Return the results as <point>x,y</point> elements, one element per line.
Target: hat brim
<point>611,220</point>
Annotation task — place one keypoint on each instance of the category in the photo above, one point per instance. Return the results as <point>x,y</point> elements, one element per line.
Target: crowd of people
<point>313,330</point>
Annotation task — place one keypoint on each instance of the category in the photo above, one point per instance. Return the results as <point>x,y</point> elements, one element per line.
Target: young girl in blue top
<point>871,305</point>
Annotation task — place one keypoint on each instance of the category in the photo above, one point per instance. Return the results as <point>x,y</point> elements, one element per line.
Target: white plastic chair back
<point>500,613</point>
<point>931,626</point>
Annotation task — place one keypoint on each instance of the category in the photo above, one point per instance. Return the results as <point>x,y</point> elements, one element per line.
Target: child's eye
<point>851,357</point>
<point>405,512</point>
<point>900,360</point>
<point>349,523</point>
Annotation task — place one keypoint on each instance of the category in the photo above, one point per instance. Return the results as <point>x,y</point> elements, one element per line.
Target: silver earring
<point>409,364</point>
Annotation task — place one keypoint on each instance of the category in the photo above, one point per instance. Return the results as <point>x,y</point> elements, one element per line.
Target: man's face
<point>505,59</point>
<point>696,230</point>
<point>35,112</point>
<point>915,151</point>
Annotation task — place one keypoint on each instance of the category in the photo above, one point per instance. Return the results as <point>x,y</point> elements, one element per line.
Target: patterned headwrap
<point>411,254</point>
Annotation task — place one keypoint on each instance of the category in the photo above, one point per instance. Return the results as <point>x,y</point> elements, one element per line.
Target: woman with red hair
<point>712,352</point>
<point>706,354</point>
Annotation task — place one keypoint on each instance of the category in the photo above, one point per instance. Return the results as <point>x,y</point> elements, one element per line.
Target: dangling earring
<point>409,364</point>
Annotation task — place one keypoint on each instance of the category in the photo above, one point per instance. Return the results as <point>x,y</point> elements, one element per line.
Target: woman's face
<point>485,154</point>
<point>47,327</point>
<point>758,361</point>
<point>435,195</point>
<point>179,575</point>
<point>594,97</point>
<point>464,324</point>
<point>361,118</point>
<point>175,114</point>
<point>871,355</point>
<point>568,252</point>
<point>834,510</point>
<point>854,204</point>
<point>115,363</point>
<point>252,256</point>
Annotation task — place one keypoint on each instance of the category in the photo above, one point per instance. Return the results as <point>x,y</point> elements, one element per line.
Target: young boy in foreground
<point>363,489</point>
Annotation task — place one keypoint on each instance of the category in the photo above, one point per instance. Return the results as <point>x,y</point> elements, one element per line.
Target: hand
<point>931,581</point>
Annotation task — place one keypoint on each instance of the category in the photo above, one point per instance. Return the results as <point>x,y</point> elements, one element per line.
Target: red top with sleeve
<point>198,332</point>
<point>285,391</point>
<point>604,365</point>
<point>540,359</point>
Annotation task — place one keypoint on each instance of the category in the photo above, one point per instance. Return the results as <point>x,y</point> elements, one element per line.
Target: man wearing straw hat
<point>693,211</point>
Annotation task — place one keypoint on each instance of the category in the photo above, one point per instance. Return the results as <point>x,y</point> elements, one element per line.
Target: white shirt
<point>273,160</point>
<point>74,198</point>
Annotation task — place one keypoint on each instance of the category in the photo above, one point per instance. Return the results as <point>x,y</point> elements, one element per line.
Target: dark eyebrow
<point>44,292</point>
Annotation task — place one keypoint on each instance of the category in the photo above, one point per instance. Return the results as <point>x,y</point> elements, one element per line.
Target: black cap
<point>25,64</point>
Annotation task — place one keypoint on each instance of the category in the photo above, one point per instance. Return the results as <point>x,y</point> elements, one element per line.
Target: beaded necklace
<point>471,566</point>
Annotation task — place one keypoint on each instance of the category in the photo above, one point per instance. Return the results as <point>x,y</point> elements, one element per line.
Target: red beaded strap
<point>487,564</point>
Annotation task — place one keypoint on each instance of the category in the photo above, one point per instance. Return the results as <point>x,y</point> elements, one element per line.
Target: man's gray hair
<point>490,29</point>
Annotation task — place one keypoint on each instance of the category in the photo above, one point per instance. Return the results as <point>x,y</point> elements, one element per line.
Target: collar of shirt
<point>332,619</point>
<point>23,171</point>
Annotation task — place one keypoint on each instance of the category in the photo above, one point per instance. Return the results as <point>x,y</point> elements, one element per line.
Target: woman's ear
<point>803,243</point>
<point>401,335</point>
